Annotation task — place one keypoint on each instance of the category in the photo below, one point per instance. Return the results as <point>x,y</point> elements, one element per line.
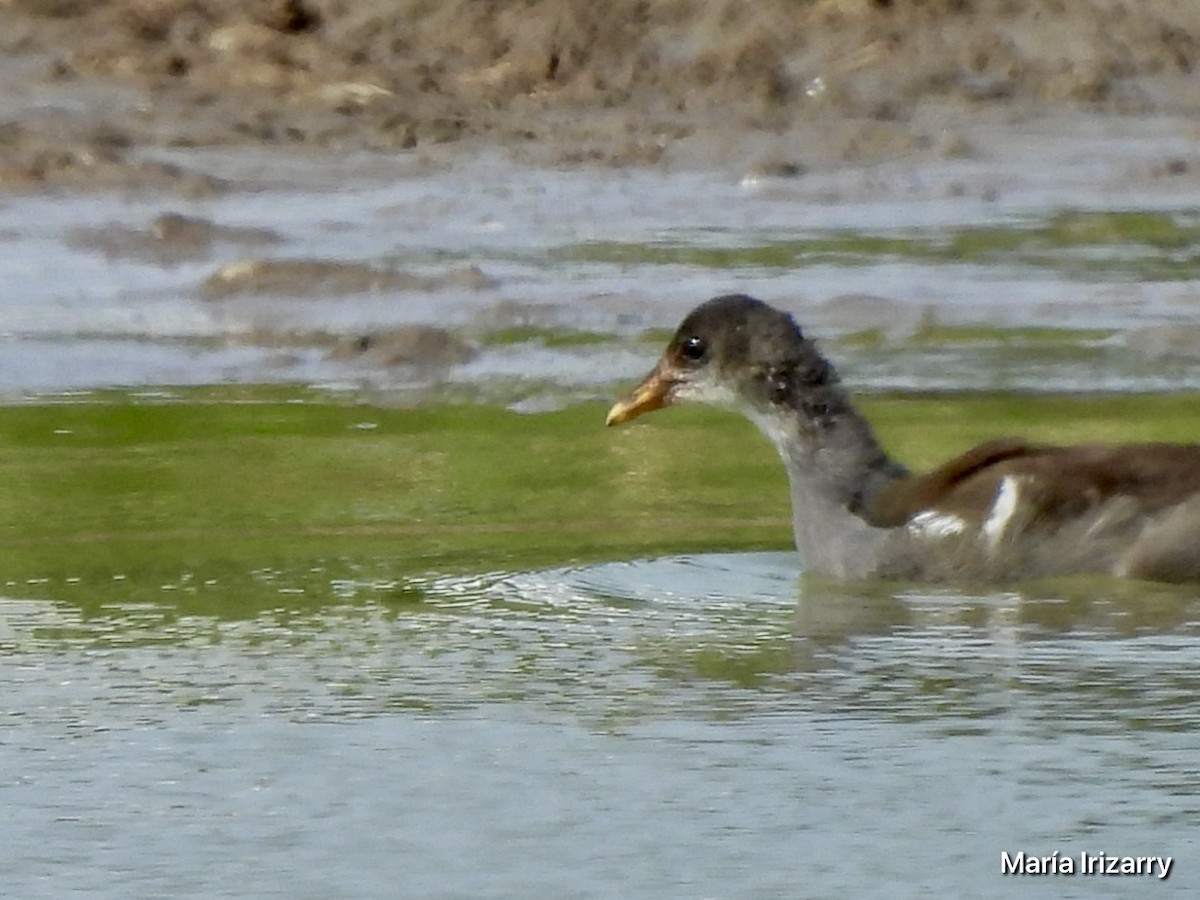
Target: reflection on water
<point>693,726</point>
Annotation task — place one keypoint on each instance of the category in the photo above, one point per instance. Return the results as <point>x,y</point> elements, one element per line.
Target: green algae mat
<point>283,494</point>
<point>1076,244</point>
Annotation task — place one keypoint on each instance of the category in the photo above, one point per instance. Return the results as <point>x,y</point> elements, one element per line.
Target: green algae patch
<point>1153,229</point>
<point>831,249</point>
<point>162,500</point>
<point>930,332</point>
<point>245,503</point>
<point>1079,244</point>
<point>547,337</point>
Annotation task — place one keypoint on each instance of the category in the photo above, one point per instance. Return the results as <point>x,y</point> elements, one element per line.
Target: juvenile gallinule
<point>1005,509</point>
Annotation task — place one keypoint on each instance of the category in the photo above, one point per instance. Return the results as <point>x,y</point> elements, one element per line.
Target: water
<point>685,727</point>
<point>183,718</point>
<point>91,299</point>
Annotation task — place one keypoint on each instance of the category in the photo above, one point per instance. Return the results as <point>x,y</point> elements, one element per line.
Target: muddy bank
<point>565,81</point>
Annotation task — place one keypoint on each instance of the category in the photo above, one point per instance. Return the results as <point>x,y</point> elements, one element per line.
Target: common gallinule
<point>1005,509</point>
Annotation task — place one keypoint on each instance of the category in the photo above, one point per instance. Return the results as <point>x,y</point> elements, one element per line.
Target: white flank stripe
<point>1003,509</point>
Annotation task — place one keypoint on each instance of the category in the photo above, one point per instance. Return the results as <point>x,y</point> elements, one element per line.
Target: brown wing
<point>907,497</point>
<point>1057,483</point>
<point>1072,480</point>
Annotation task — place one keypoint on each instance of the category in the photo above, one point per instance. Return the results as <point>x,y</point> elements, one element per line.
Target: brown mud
<point>170,239</point>
<point>329,278</point>
<point>786,84</point>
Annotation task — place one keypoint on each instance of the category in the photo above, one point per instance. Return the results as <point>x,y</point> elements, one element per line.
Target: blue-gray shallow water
<point>686,727</point>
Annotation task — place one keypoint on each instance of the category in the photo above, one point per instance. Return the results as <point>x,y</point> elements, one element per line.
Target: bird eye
<point>693,349</point>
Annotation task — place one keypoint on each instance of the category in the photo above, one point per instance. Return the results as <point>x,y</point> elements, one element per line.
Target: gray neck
<point>835,466</point>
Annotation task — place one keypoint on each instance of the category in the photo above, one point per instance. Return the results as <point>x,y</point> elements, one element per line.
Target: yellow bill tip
<point>622,411</point>
<point>653,393</point>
